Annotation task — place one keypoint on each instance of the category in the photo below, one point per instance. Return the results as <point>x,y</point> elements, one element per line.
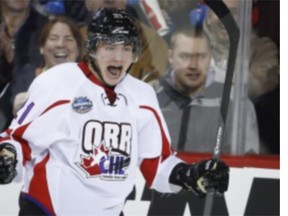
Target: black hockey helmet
<point>113,26</point>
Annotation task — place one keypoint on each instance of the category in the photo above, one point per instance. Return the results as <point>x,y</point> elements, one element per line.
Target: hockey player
<point>85,129</point>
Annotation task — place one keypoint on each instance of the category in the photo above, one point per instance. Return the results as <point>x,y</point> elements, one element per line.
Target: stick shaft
<point>223,13</point>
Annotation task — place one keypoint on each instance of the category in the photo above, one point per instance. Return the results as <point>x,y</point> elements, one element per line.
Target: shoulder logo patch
<point>82,105</point>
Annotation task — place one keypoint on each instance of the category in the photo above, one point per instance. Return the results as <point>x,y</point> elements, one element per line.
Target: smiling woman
<point>60,42</point>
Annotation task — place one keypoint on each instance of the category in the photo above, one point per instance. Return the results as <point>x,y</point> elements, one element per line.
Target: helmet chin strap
<point>97,70</point>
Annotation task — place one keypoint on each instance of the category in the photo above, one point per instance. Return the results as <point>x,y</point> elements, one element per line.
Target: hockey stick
<point>226,18</point>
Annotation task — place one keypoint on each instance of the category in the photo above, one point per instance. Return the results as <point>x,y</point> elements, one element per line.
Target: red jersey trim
<point>4,139</point>
<point>18,133</point>
<point>38,188</point>
<point>18,136</point>
<point>88,73</point>
<point>149,166</point>
<point>58,103</point>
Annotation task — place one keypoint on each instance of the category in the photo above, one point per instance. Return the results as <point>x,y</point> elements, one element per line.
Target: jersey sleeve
<point>157,159</point>
<point>39,116</point>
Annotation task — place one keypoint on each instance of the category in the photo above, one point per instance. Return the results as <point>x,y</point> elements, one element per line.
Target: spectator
<point>77,11</point>
<point>268,114</point>
<point>50,8</point>
<point>264,62</point>
<point>178,11</point>
<point>266,19</point>
<point>263,75</point>
<point>22,26</point>
<point>266,23</point>
<point>5,94</point>
<point>60,42</point>
<point>19,32</point>
<point>154,54</point>
<point>181,13</point>
<point>190,99</point>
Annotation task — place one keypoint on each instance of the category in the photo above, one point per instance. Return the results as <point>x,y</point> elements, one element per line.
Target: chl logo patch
<point>82,105</point>
<point>107,150</point>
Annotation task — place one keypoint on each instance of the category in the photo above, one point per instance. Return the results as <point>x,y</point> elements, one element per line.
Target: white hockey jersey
<point>80,143</point>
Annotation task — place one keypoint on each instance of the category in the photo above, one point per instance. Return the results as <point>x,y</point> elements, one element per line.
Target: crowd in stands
<point>185,66</point>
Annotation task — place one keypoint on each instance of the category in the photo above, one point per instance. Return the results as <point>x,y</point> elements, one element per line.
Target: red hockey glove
<point>7,163</point>
<point>201,177</point>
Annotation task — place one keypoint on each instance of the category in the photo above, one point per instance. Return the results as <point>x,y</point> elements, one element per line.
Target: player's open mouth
<point>115,71</point>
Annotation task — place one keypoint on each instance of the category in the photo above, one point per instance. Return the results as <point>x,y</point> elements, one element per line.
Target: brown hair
<point>190,31</point>
<point>72,26</point>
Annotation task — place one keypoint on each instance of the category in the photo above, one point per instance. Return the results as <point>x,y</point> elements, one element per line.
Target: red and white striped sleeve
<point>157,159</point>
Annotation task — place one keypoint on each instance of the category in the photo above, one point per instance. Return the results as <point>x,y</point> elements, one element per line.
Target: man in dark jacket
<point>20,29</point>
<point>190,98</point>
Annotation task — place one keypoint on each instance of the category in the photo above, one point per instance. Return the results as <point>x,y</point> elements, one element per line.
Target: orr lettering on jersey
<point>107,148</point>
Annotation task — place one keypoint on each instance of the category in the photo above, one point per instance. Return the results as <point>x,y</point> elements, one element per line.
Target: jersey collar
<point>88,73</point>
